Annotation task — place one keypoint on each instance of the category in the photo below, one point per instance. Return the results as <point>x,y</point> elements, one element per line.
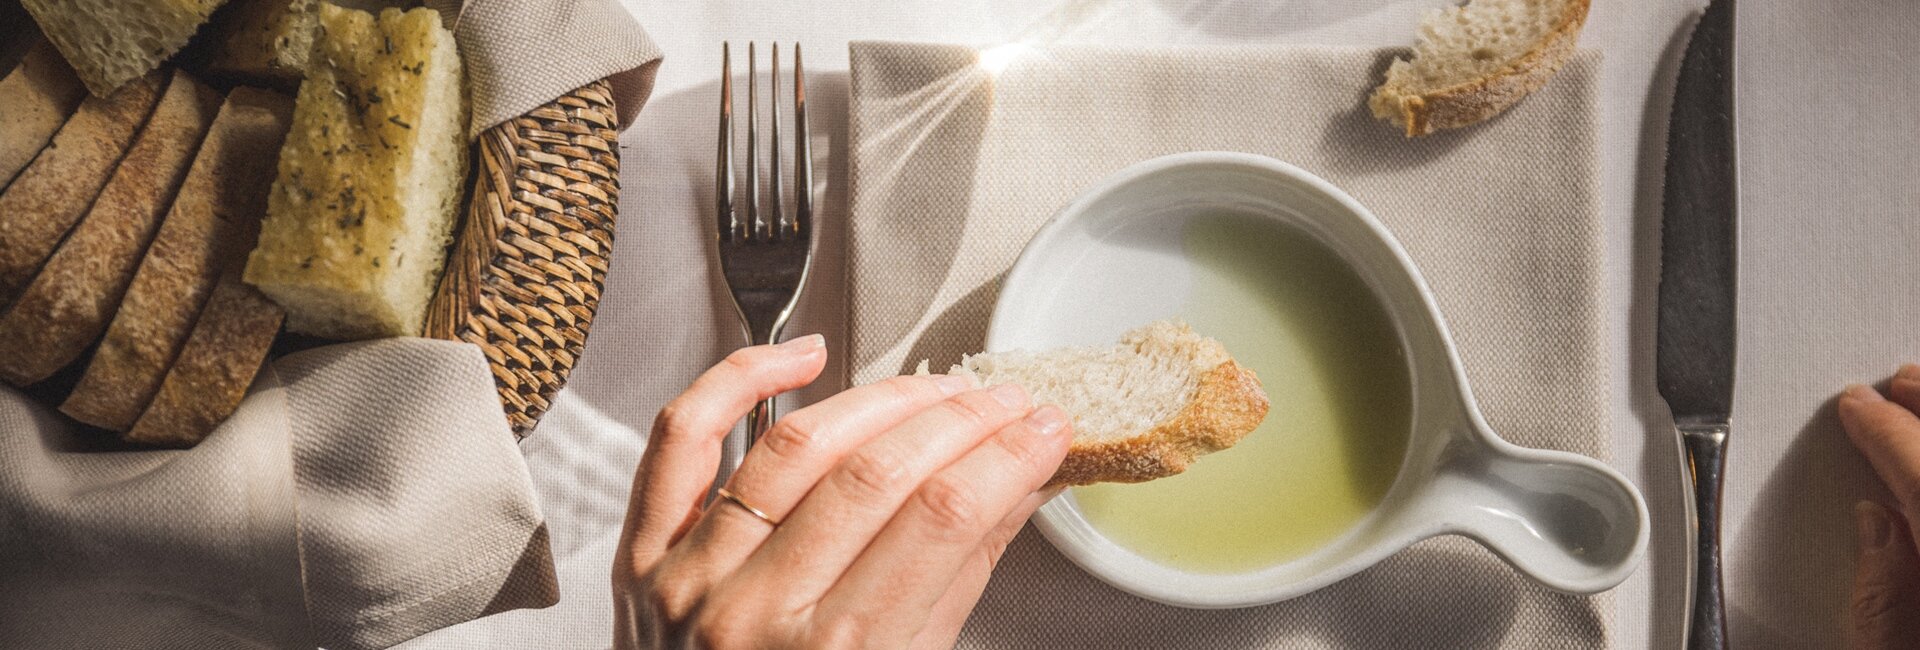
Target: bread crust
<point>1482,98</point>
<point>1228,403</point>
<point>69,303</point>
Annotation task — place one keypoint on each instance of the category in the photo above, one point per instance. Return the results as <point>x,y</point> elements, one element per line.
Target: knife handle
<point>1706,448</point>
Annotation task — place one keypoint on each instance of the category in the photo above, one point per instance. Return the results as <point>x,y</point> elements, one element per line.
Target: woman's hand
<point>1885,612</point>
<point>894,501</point>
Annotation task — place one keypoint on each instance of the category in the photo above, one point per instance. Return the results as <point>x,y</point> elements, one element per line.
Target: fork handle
<point>761,418</point>
<point>759,421</point>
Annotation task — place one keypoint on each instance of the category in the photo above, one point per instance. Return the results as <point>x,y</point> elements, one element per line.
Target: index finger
<point>1889,435</point>
<point>683,451</point>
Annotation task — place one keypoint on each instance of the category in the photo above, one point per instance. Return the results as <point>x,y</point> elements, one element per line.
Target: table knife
<point>1695,334</point>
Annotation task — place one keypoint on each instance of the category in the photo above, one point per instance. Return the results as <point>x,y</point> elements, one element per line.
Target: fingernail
<point>952,384</point>
<point>1009,395</point>
<point>1864,393</point>
<point>806,343</point>
<point>1909,372</point>
<point>1047,420</point>
<point>1876,528</point>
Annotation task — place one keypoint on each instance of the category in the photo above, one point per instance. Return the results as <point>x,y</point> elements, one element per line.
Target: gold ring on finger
<point>756,512</point>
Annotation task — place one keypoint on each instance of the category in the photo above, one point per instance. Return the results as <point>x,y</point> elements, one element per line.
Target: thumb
<point>1885,607</point>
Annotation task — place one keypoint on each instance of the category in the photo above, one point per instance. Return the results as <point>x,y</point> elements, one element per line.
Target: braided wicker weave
<point>525,274</point>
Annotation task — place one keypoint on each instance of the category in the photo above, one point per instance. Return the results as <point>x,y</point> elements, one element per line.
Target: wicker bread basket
<point>525,273</point>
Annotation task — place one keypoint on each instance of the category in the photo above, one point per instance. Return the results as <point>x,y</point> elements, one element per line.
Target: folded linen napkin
<point>362,495</point>
<point>956,164</point>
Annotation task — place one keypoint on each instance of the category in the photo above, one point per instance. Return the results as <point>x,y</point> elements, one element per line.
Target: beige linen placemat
<point>955,167</point>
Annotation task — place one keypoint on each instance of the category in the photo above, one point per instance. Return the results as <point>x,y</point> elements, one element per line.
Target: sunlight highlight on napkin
<point>995,59</point>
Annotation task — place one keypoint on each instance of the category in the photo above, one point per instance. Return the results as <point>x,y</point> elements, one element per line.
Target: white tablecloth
<point>1830,162</point>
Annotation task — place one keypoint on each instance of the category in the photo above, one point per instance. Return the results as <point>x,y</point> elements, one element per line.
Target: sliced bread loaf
<point>35,99</point>
<point>110,42</point>
<point>209,227</point>
<point>364,205</point>
<point>67,305</point>
<point>210,376</point>
<point>1474,61</point>
<point>43,203</point>
<point>1142,409</point>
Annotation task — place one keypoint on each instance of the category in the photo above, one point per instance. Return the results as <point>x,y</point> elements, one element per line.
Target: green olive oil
<point>1289,308</point>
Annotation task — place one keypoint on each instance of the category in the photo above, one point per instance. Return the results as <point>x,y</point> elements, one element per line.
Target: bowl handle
<point>1567,520</point>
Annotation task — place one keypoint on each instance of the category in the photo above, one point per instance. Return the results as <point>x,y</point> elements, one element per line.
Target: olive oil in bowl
<point>1332,444</point>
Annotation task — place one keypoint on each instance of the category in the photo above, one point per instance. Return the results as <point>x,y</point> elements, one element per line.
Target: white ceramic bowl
<point>1113,260</point>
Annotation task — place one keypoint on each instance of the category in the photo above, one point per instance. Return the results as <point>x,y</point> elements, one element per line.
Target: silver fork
<point>764,255</point>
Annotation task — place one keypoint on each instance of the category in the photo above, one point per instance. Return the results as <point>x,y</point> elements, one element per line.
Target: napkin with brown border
<point>954,167</point>
<point>363,494</point>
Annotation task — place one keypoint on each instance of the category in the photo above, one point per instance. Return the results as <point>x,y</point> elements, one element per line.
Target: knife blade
<point>1695,333</point>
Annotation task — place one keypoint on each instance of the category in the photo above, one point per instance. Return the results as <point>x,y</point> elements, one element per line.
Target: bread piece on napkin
<point>45,200</point>
<point>110,42</point>
<point>267,41</point>
<point>1474,61</point>
<point>1142,409</point>
<point>210,376</point>
<point>35,99</point>
<point>363,209</point>
<point>210,226</point>
<point>67,305</point>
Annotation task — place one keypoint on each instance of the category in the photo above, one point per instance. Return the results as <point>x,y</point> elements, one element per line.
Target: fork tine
<point>777,216</point>
<point>755,220</point>
<point>723,192</point>
<point>802,151</point>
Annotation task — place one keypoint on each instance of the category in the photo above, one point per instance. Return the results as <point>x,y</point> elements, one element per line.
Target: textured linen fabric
<point>362,495</point>
<point>415,512</point>
<point>954,168</point>
<point>380,475</point>
<point>520,55</point>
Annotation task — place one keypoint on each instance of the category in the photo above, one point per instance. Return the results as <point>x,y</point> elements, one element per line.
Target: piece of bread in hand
<point>1475,60</point>
<point>35,99</point>
<point>1142,409</point>
<point>208,229</point>
<point>70,302</point>
<point>210,376</point>
<point>46,199</point>
<point>111,42</point>
<point>363,208</point>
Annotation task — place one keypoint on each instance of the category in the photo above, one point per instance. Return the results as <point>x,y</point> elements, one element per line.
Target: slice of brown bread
<point>214,368</point>
<point>211,225</point>
<point>54,191</point>
<point>1475,60</point>
<point>35,99</point>
<point>1142,409</point>
<point>67,305</point>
